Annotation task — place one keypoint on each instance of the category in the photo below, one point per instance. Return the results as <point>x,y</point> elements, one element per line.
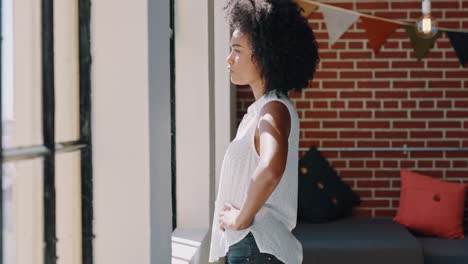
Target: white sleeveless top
<point>273,223</point>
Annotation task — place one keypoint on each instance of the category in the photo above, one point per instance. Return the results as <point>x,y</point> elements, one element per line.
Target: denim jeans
<point>247,252</point>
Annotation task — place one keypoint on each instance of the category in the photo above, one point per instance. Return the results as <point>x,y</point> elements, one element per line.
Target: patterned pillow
<point>322,195</point>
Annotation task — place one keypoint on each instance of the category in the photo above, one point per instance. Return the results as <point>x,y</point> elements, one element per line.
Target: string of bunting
<point>378,29</point>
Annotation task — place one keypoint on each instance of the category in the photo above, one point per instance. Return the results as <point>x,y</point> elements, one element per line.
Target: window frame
<point>49,147</point>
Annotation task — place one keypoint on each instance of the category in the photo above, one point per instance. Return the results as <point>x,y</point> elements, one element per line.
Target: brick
<point>373,84</point>
<point>302,104</point>
<point>338,124</point>
<point>461,104</point>
<point>320,114</point>
<point>390,104</point>
<point>320,104</point>
<point>355,114</point>
<point>372,163</point>
<point>426,104</point>
<point>444,104</point>
<point>309,124</point>
<point>391,114</point>
<point>457,114</point>
<point>337,104</point>
<point>444,124</point>
<point>387,193</point>
<point>444,5</point>
<point>392,14</point>
<point>456,94</point>
<point>337,84</point>
<point>373,144</point>
<point>390,154</point>
<point>356,74</point>
<point>320,94</point>
<point>408,64</point>
<point>390,164</point>
<point>391,134</point>
<point>328,55</point>
<point>355,94</point>
<point>372,5</point>
<point>443,144</point>
<point>457,174</point>
<point>443,64</point>
<point>325,75</point>
<point>356,164</point>
<point>445,84</point>
<point>321,134</point>
<point>388,173</point>
<point>408,104</point>
<point>373,124</point>
<point>442,164</point>
<point>337,65</point>
<point>409,84</point>
<point>355,134</point>
<point>355,45</point>
<point>391,94</point>
<point>363,193</point>
<point>456,74</point>
<point>456,14</point>
<point>407,164</point>
<point>425,164</point>
<point>426,154</point>
<point>427,114</point>
<point>374,203</point>
<point>391,74</point>
<point>406,5</point>
<point>373,64</point>
<point>355,104</point>
<point>426,74</point>
<point>361,212</point>
<point>355,154</point>
<point>456,134</point>
<point>426,134</point>
<point>391,54</point>
<point>457,154</point>
<point>426,94</point>
<point>409,144</point>
<point>373,104</point>
<point>460,163</point>
<point>355,174</point>
<point>338,144</point>
<point>409,124</point>
<point>372,183</point>
<point>355,54</point>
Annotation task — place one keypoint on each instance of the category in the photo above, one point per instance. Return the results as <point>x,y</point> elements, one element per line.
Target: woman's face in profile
<point>241,67</point>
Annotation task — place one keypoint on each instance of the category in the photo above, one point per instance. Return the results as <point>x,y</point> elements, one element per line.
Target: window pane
<point>22,80</point>
<point>66,70</point>
<point>68,211</point>
<point>23,229</point>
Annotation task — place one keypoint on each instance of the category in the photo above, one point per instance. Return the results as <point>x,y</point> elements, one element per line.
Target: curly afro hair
<point>283,45</point>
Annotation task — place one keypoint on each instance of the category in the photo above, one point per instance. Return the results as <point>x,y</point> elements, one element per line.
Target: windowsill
<point>188,245</point>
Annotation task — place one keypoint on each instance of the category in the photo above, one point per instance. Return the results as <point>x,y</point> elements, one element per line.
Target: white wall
<point>120,124</point>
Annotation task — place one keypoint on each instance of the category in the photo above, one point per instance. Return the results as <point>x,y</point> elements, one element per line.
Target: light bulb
<point>426,26</point>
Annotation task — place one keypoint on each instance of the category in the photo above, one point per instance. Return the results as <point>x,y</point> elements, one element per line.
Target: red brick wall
<point>362,99</point>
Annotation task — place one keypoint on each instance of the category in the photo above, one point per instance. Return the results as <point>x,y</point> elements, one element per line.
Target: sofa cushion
<point>431,206</point>
<point>322,195</point>
<point>443,251</point>
<point>358,240</point>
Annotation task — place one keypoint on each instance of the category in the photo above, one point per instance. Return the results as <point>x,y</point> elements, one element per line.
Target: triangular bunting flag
<point>378,31</point>
<point>309,8</point>
<point>337,22</point>
<point>420,45</point>
<point>459,42</point>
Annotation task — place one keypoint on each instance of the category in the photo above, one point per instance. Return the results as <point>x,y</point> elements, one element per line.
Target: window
<point>46,201</point>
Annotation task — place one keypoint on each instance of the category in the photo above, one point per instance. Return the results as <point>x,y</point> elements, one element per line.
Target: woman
<point>273,51</point>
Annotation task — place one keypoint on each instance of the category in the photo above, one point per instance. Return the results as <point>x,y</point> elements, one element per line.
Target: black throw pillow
<point>322,195</point>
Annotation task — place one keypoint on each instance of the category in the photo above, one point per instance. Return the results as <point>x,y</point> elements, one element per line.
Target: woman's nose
<point>229,58</point>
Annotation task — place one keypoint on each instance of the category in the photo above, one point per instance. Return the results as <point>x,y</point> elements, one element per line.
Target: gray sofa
<point>375,240</point>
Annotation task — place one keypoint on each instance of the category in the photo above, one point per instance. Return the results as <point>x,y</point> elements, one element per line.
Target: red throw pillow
<point>431,206</point>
